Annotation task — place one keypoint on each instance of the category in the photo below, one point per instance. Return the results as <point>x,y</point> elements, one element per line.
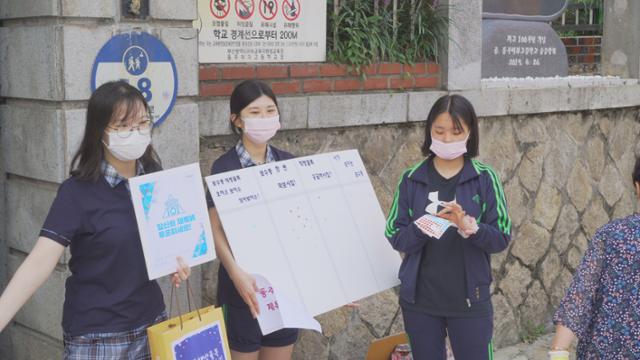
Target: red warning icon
<point>291,9</point>
<point>220,8</point>
<point>245,8</point>
<point>268,9</point>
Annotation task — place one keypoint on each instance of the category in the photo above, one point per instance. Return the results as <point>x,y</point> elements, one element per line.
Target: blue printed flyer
<point>173,219</point>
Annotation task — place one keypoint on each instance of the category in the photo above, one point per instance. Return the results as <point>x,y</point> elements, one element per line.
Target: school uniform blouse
<point>109,289</point>
<point>602,305</point>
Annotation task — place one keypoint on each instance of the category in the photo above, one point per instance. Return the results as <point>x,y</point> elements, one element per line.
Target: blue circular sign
<point>143,61</point>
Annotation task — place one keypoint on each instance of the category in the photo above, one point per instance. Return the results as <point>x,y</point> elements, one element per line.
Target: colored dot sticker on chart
<point>291,9</point>
<point>245,9</point>
<point>220,8</point>
<point>268,9</point>
<point>144,62</point>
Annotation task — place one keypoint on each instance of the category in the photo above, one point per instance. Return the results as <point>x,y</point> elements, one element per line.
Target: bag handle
<point>189,296</point>
<point>177,303</point>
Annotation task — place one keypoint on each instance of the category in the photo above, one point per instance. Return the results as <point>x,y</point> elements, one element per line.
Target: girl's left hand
<point>182,273</point>
<point>470,226</point>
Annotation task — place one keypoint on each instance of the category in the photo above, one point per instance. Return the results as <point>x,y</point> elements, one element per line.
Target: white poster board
<point>311,226</point>
<point>246,31</point>
<point>173,219</point>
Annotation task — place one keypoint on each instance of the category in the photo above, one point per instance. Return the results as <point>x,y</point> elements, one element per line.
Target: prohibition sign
<point>220,8</point>
<point>268,9</point>
<point>245,8</point>
<point>291,9</point>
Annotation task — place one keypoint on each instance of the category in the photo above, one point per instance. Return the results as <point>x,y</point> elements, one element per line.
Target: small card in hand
<point>432,225</point>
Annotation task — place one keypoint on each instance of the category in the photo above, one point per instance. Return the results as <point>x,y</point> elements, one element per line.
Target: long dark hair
<point>245,93</point>
<point>635,176</point>
<point>460,110</point>
<point>87,161</point>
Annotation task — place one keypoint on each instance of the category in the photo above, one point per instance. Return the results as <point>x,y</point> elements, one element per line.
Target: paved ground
<point>524,351</point>
<point>535,351</point>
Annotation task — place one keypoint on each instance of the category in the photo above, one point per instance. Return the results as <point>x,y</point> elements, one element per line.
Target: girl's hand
<point>453,212</point>
<point>247,288</point>
<point>182,273</point>
<point>469,226</point>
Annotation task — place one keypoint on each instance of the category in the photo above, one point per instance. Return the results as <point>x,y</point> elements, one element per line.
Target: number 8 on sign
<point>144,85</point>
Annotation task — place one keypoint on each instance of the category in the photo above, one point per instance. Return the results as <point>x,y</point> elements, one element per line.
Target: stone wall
<point>564,175</point>
<point>5,344</point>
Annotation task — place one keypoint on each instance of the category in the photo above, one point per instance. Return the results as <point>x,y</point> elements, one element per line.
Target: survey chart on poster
<point>172,218</point>
<point>312,226</point>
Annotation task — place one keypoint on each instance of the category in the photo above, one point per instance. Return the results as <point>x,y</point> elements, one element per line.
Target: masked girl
<point>109,299</point>
<point>446,277</point>
<point>255,117</point>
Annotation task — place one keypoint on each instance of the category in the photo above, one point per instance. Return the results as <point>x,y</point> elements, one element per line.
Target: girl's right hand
<point>453,212</point>
<point>246,286</point>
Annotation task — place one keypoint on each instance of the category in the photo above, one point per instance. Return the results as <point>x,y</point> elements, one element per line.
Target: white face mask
<point>131,147</point>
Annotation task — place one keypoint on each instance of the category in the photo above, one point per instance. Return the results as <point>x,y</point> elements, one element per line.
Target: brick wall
<point>584,54</point>
<point>308,78</point>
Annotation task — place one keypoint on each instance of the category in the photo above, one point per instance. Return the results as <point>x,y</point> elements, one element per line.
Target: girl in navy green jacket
<point>446,281</point>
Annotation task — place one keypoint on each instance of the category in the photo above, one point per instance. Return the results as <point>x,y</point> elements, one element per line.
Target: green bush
<point>358,36</point>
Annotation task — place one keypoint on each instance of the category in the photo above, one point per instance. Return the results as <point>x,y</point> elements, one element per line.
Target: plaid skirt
<point>126,345</point>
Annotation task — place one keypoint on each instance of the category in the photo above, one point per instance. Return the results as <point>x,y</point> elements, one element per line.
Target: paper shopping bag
<point>200,334</point>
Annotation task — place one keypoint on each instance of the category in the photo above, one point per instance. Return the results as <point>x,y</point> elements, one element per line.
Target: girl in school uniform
<point>255,117</point>
<point>109,299</point>
<point>446,280</point>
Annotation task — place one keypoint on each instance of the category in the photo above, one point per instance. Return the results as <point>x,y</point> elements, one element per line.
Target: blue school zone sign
<point>143,61</point>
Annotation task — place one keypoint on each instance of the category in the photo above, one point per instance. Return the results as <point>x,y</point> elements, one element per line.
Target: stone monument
<point>517,40</point>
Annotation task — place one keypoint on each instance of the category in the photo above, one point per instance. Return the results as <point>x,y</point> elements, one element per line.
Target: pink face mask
<point>448,151</point>
<point>261,130</point>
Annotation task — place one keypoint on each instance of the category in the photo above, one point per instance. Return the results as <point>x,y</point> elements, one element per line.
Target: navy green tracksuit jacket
<point>480,194</point>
